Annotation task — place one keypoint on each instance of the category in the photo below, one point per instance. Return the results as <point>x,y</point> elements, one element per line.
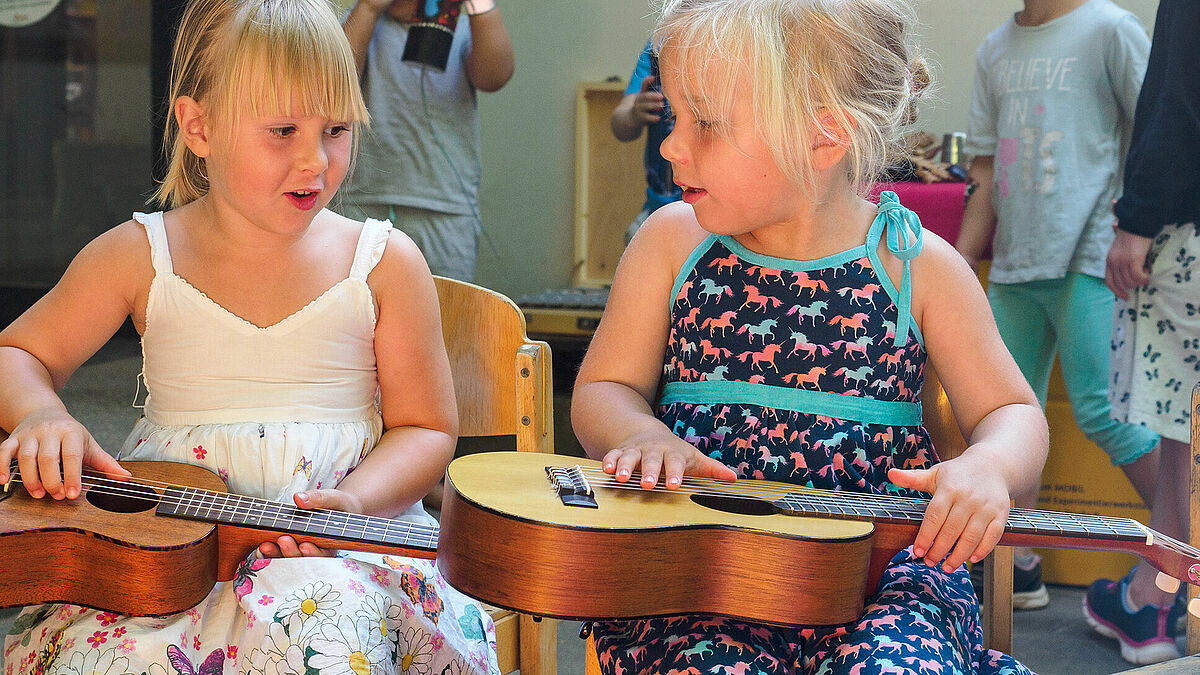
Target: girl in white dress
<point>296,353</point>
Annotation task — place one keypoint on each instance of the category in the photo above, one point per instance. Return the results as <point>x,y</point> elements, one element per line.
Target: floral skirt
<point>352,615</point>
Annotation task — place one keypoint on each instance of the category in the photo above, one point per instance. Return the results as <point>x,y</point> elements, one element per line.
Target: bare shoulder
<point>939,263</point>
<point>945,290</point>
<point>401,272</point>
<point>665,240</point>
<point>401,257</point>
<point>119,257</point>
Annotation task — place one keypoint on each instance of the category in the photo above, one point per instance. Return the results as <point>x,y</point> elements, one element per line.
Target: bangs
<point>709,72</point>
<point>290,64</point>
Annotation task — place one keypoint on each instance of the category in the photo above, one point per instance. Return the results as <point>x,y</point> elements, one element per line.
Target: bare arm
<point>611,405</point>
<point>360,26</point>
<point>45,345</point>
<point>636,111</point>
<point>979,217</point>
<point>420,414</point>
<point>491,63</point>
<point>995,408</point>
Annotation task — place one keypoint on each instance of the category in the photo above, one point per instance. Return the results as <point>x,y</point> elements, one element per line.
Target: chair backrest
<point>504,386</point>
<point>938,418</point>
<point>502,379</point>
<point>996,610</point>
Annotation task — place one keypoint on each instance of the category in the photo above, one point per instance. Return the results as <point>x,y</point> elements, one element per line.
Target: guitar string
<point>264,510</point>
<point>1121,527</point>
<point>832,502</point>
<point>419,533</point>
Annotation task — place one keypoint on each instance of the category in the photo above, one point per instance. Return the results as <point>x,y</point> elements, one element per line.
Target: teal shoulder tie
<point>902,228</point>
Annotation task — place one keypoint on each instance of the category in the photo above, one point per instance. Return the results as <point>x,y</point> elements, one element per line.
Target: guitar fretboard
<point>220,507</point>
<point>855,506</point>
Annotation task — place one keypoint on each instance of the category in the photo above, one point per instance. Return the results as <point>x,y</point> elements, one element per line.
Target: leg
<point>1168,515</point>
<point>449,242</point>
<point>1022,314</point>
<point>1153,368</point>
<point>694,644</point>
<point>922,620</point>
<point>1084,354</point>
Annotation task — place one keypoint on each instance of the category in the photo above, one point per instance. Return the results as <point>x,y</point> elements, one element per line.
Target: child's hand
<point>51,449</point>
<point>648,106</point>
<point>664,452</point>
<point>332,500</point>
<point>967,514</point>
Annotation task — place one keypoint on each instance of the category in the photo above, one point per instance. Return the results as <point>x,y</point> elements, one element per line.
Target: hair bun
<point>919,80</point>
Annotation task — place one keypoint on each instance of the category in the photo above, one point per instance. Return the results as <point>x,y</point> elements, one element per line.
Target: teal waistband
<point>838,406</point>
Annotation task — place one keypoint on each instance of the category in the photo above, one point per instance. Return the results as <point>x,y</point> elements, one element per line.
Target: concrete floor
<point>1054,640</point>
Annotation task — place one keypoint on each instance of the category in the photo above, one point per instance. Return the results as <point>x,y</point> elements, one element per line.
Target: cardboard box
<point>1080,478</point>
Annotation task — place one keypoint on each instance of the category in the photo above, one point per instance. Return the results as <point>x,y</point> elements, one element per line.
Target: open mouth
<point>303,199</point>
<point>691,195</point>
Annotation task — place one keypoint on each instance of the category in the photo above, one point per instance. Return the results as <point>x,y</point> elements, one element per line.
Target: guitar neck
<point>252,518</point>
<point>1025,527</point>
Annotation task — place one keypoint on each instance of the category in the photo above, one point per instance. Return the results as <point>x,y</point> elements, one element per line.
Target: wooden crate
<point>610,184</point>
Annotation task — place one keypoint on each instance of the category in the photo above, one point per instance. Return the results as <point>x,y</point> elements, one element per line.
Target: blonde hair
<point>236,55</point>
<point>848,59</point>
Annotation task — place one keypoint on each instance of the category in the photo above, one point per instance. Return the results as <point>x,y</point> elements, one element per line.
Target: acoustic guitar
<point>541,534</point>
<point>156,544</point>
<point>556,536</point>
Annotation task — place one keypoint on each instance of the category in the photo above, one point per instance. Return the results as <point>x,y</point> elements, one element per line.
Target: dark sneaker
<point>1146,636</point>
<point>1028,590</point>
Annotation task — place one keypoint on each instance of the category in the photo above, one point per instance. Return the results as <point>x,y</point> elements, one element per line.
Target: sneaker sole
<point>1144,655</point>
<point>1031,599</point>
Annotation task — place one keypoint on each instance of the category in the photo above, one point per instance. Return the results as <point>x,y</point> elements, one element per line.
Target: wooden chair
<point>504,386</point>
<point>939,420</point>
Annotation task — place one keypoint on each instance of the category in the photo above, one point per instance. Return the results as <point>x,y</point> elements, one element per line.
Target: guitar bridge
<point>571,486</point>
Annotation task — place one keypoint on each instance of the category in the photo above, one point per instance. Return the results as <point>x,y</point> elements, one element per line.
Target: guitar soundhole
<point>741,505</point>
<point>126,497</point>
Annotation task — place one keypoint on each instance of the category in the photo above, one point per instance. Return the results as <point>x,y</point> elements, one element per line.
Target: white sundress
<point>273,411</point>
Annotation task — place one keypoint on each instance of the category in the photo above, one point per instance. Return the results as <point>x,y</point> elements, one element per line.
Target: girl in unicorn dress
<point>775,325</point>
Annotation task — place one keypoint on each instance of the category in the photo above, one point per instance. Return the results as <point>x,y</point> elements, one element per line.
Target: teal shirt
<point>1054,105</point>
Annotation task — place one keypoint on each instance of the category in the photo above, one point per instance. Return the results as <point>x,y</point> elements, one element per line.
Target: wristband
<point>476,7</point>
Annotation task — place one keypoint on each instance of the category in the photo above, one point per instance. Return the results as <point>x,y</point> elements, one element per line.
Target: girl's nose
<point>313,156</point>
<point>672,148</point>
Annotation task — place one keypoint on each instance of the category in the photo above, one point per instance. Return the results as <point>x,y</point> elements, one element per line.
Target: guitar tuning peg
<point>1194,607</point>
<point>1166,583</point>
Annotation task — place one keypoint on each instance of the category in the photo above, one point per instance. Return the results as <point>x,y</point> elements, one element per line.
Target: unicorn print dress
<point>273,411</point>
<point>807,372</point>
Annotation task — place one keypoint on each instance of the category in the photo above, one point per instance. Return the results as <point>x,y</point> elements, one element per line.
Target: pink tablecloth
<point>939,205</point>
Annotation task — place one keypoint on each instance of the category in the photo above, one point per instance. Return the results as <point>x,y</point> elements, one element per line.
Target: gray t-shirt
<point>422,149</point>
<point>1054,105</point>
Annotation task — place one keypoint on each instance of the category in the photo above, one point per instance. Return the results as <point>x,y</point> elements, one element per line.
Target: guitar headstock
<point>1184,564</point>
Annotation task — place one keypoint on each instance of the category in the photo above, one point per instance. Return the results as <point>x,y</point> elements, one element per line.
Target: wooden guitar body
<point>157,543</point>
<point>509,540</point>
<point>77,551</point>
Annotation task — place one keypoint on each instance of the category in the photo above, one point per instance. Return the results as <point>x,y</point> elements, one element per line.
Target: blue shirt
<point>660,184</point>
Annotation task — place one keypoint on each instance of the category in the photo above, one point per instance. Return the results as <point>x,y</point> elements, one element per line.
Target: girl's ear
<point>193,125</point>
<point>831,139</point>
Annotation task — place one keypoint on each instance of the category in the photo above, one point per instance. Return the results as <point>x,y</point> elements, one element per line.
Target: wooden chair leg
<point>539,646</point>
<point>591,659</point>
<point>997,592</point>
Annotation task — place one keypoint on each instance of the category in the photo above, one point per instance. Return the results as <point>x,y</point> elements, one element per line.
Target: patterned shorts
<point>1156,338</point>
